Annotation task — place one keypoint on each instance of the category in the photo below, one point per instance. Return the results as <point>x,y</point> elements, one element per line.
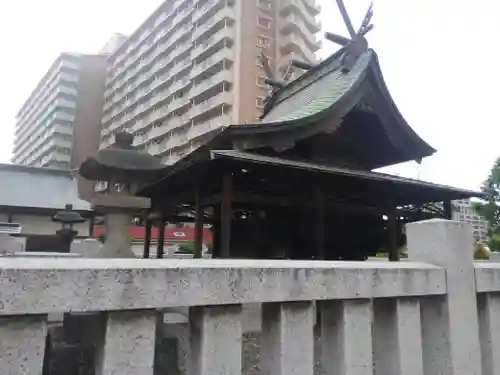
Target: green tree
<point>494,242</point>
<point>489,209</point>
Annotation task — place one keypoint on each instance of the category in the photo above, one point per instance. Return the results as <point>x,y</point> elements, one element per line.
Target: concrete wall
<point>437,313</point>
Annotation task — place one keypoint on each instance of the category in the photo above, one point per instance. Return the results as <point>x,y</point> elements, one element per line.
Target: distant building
<point>113,43</point>
<point>30,196</point>
<point>193,67</point>
<point>464,211</point>
<point>59,124</point>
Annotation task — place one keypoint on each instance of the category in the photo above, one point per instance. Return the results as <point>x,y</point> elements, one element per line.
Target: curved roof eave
<point>377,80</point>
<point>372,75</point>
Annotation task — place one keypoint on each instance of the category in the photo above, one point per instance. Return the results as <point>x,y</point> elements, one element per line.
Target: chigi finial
<point>356,44</point>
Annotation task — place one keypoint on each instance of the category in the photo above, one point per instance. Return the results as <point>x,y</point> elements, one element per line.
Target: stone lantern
<point>67,234</point>
<point>123,170</point>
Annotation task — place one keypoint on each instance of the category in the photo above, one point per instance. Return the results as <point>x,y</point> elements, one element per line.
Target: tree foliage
<point>489,209</point>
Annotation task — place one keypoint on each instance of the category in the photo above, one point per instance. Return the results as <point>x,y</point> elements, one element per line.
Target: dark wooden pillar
<point>216,242</point>
<point>319,224</point>
<point>448,211</point>
<point>392,227</point>
<point>161,238</point>
<point>226,215</point>
<point>147,238</point>
<point>198,228</point>
<point>91,226</point>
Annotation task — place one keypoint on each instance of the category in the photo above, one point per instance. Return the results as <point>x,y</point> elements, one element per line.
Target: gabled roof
<point>318,101</point>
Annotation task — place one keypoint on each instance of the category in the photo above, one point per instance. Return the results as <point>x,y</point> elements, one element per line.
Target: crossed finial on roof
<point>354,46</point>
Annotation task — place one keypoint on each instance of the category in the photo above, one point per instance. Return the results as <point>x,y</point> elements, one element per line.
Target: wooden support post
<point>392,227</point>
<point>448,211</point>
<point>216,242</point>
<point>226,215</point>
<point>319,222</point>
<point>198,229</point>
<point>91,225</point>
<point>147,238</point>
<point>161,238</point>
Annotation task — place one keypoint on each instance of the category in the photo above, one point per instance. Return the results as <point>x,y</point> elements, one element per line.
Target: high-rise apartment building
<point>59,124</point>
<point>463,210</point>
<point>193,67</point>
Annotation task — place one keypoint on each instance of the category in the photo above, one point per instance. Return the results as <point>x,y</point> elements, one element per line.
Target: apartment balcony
<point>179,84</point>
<point>158,131</point>
<point>177,121</point>
<point>70,64</point>
<point>307,13</point>
<point>159,114</point>
<point>313,6</point>
<point>294,43</point>
<point>225,97</point>
<point>221,55</point>
<point>180,66</point>
<point>178,103</point>
<point>175,140</point>
<point>227,33</point>
<point>295,23</point>
<point>156,148</point>
<point>220,16</point>
<point>63,158</point>
<point>61,88</point>
<point>180,32</point>
<point>224,75</point>
<point>203,10</point>
<point>140,139</point>
<point>199,130</point>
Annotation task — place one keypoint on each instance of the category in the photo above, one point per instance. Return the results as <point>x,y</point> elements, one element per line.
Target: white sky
<point>439,59</point>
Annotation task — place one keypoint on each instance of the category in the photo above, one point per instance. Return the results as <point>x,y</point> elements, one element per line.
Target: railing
<point>412,318</point>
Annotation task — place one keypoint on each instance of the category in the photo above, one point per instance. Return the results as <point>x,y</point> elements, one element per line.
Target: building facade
<point>463,210</point>
<point>193,67</point>
<point>59,124</point>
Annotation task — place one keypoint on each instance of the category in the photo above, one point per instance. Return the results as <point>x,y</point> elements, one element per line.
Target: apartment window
<point>264,4</point>
<point>261,81</point>
<point>262,41</point>
<point>260,101</point>
<point>263,22</point>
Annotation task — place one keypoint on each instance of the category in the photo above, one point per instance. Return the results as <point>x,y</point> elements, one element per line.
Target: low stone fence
<point>438,313</point>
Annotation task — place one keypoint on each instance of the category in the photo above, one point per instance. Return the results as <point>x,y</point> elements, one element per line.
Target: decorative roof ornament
<point>357,44</point>
<point>271,79</point>
<point>276,84</point>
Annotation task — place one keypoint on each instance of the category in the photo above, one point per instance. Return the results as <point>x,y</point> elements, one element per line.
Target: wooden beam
<point>226,215</point>
<point>198,229</point>
<point>258,199</point>
<point>147,238</point>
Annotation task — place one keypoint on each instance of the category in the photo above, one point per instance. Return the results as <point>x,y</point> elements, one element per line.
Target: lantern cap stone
<point>68,216</point>
<point>121,163</point>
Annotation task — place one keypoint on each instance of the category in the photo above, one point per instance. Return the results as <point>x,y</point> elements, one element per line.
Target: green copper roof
<point>312,94</point>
